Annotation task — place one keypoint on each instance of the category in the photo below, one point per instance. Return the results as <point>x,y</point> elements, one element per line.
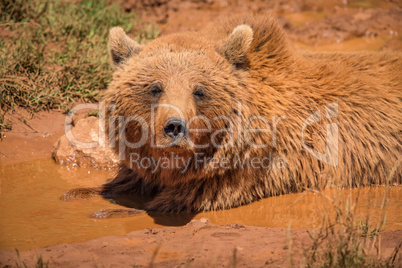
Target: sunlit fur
<point>259,69</point>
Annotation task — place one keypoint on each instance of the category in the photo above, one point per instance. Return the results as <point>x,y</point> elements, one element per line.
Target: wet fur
<point>270,78</point>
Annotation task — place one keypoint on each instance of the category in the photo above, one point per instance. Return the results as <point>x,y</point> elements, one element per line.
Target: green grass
<point>346,241</point>
<point>3,126</point>
<point>39,263</point>
<point>94,113</point>
<point>57,52</point>
<point>366,230</point>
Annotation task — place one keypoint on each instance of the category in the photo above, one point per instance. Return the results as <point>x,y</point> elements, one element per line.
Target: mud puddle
<point>33,216</point>
<point>355,44</point>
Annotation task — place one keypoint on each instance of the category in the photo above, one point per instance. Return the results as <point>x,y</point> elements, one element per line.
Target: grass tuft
<point>53,53</point>
<point>366,230</point>
<point>4,126</point>
<point>39,263</point>
<point>345,241</point>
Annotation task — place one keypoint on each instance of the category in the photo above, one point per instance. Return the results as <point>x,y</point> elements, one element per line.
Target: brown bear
<point>223,117</point>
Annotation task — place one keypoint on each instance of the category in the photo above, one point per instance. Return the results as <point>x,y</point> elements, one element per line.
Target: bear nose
<point>175,127</point>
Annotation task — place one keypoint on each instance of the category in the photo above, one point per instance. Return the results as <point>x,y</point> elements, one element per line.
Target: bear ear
<point>121,47</point>
<point>238,43</point>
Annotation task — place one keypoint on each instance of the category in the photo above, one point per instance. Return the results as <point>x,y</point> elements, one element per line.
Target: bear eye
<point>155,89</point>
<point>199,92</point>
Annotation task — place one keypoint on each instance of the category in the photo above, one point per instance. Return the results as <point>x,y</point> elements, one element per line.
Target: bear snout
<point>175,128</point>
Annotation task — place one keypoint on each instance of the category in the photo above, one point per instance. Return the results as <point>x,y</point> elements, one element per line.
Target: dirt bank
<point>198,244</point>
<point>323,25</point>
<point>31,137</point>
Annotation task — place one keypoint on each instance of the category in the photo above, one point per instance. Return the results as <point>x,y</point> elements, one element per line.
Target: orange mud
<point>30,137</point>
<point>33,216</point>
<point>318,25</point>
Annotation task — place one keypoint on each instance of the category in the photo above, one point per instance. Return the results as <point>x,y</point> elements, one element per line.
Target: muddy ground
<point>317,25</point>
<point>198,244</point>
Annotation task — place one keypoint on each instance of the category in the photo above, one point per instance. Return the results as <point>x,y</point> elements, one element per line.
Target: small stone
<point>71,149</point>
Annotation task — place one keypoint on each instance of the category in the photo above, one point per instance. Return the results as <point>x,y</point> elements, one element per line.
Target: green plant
<point>39,263</point>
<point>4,126</point>
<point>94,113</point>
<point>339,243</point>
<point>366,231</point>
<point>56,53</point>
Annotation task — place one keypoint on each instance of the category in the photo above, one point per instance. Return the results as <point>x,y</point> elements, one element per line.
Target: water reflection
<point>32,215</point>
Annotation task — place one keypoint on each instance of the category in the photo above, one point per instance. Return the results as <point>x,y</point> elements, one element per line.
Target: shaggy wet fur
<point>249,61</point>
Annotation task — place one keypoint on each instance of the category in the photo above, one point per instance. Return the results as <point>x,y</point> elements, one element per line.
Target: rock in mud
<point>85,146</point>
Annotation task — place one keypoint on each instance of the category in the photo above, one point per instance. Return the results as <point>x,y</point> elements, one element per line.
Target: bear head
<point>176,97</point>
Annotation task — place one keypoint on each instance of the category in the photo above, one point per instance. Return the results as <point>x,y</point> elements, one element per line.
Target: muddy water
<point>32,216</point>
<point>355,44</point>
